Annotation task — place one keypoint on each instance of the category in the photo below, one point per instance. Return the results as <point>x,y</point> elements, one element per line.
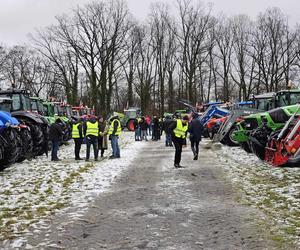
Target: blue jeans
<point>144,135</point>
<point>169,140</point>
<point>137,134</point>
<point>115,146</point>
<point>55,148</point>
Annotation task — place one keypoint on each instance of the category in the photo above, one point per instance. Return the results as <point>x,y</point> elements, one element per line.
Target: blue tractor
<point>10,149</point>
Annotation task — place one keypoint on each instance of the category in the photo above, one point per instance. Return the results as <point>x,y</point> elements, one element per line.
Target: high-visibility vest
<point>180,130</point>
<point>75,131</point>
<point>92,128</point>
<point>111,128</point>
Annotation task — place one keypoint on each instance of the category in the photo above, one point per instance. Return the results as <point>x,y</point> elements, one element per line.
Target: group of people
<point>92,131</point>
<point>145,126</point>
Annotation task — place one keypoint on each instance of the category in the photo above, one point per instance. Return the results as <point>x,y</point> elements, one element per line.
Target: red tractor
<point>283,147</point>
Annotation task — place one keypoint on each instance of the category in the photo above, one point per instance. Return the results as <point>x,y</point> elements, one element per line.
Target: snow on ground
<point>275,191</point>
<point>33,190</point>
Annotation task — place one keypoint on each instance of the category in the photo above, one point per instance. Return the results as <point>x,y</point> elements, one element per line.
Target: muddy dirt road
<point>154,206</point>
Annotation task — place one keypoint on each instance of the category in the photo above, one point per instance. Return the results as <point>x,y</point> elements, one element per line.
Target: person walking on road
<point>103,130</point>
<point>179,129</point>
<point>77,136</point>
<point>114,131</point>
<point>195,130</point>
<point>55,136</point>
<point>91,132</point>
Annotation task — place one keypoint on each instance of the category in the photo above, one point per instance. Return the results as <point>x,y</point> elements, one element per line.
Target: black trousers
<point>195,146</point>
<point>178,142</point>
<point>91,140</point>
<point>78,142</point>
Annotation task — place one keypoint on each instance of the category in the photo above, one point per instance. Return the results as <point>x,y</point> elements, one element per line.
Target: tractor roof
<point>289,90</point>
<point>4,99</point>
<point>264,96</point>
<point>14,91</point>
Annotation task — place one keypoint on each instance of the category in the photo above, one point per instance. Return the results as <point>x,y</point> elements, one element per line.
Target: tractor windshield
<point>5,106</point>
<point>263,104</point>
<point>57,110</point>
<point>34,106</point>
<point>288,98</point>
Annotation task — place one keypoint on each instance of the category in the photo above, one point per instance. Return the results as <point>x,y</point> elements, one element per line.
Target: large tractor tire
<point>37,138</point>
<point>130,125</point>
<point>258,140</point>
<point>246,147</point>
<point>26,145</point>
<point>228,138</point>
<point>11,148</point>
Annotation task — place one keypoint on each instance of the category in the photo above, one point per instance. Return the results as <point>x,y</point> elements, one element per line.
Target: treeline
<point>102,56</point>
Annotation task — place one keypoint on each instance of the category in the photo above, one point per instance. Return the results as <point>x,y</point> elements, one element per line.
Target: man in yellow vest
<point>178,130</point>
<point>91,132</point>
<point>114,131</point>
<point>78,137</point>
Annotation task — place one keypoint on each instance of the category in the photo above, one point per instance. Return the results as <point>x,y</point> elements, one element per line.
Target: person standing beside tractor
<point>195,130</point>
<point>103,130</point>
<point>179,129</point>
<point>91,133</point>
<point>114,131</point>
<point>77,135</point>
<point>136,129</point>
<point>55,136</point>
<point>144,127</point>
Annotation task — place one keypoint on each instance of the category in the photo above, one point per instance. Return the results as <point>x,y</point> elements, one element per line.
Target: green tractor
<point>129,116</point>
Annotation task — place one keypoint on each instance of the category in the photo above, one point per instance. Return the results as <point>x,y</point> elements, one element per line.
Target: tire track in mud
<point>154,206</point>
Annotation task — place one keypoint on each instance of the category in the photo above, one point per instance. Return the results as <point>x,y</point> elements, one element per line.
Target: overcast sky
<point>20,17</point>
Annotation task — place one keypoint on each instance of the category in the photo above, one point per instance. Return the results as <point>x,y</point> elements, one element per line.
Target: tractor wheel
<point>26,145</point>
<point>130,125</point>
<point>11,149</point>
<point>258,140</point>
<point>246,147</point>
<point>228,138</point>
<point>37,138</point>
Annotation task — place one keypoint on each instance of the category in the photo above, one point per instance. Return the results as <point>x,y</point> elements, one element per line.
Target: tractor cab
<point>37,106</point>
<point>287,97</point>
<point>264,102</point>
<point>5,104</point>
<point>20,99</point>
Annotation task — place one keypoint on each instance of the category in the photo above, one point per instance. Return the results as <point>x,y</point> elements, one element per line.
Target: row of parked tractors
<point>25,122</point>
<point>268,126</point>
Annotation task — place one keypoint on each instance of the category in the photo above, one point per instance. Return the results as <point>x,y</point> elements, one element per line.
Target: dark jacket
<point>144,125</point>
<point>135,124</point>
<point>102,126</point>
<point>55,132</point>
<point>171,128</point>
<point>195,130</point>
<point>166,124</point>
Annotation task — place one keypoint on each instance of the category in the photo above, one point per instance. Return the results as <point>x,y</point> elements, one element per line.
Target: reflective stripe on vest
<point>75,131</point>
<point>92,128</point>
<point>180,130</point>
<point>111,128</point>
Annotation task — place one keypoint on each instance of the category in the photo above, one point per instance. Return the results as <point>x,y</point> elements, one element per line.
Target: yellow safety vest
<point>75,131</point>
<point>180,130</point>
<point>111,128</point>
<point>92,128</point>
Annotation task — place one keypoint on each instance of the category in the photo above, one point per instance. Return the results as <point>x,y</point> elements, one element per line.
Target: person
<point>102,140</point>
<point>195,130</point>
<point>155,130</point>
<point>55,136</point>
<point>178,130</point>
<point>144,127</point>
<point>165,127</point>
<point>91,132</point>
<point>77,135</point>
<point>114,131</point>
<point>136,129</point>
<point>148,121</point>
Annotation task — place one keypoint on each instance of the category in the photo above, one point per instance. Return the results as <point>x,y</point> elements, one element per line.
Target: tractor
<point>130,115</point>
<point>38,125</point>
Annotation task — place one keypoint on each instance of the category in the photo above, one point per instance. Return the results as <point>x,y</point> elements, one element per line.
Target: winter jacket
<point>195,130</point>
<point>166,124</point>
<point>55,132</point>
<point>85,126</point>
<point>144,125</point>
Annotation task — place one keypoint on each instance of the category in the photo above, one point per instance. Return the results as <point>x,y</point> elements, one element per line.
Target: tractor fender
<point>28,115</point>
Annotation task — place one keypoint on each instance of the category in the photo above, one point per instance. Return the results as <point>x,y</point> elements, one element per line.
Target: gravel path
<point>154,206</point>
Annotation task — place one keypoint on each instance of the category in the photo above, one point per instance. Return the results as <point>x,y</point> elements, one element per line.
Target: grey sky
<point>20,17</point>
